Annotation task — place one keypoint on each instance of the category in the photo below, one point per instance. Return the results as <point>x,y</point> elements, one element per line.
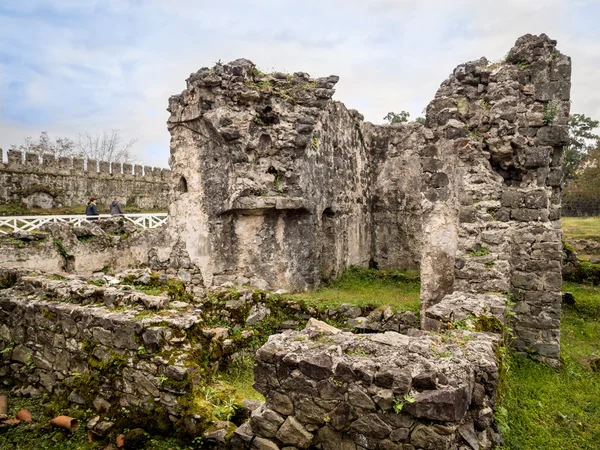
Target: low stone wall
<point>107,245</point>
<point>142,341</point>
<point>52,341</point>
<point>382,391</point>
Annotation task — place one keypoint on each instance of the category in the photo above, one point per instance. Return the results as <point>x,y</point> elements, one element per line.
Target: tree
<point>61,146</point>
<point>581,132</point>
<point>108,146</point>
<point>584,190</point>
<point>393,117</point>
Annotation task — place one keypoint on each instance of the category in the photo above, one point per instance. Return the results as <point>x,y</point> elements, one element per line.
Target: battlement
<point>18,161</point>
<point>45,181</point>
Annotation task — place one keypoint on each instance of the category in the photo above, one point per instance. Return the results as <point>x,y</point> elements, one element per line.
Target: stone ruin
<point>276,186</point>
<point>281,187</point>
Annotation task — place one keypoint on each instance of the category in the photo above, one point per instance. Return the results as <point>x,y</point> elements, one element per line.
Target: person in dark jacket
<point>91,210</point>
<point>115,207</point>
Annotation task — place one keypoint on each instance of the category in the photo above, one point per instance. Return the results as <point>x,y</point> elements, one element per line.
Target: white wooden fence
<point>28,223</point>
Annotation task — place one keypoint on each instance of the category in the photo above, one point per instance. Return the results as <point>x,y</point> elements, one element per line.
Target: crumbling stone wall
<point>272,178</point>
<point>43,181</point>
<point>492,208</point>
<point>396,152</point>
<point>278,186</point>
<point>63,336</point>
<point>381,391</point>
<point>107,245</point>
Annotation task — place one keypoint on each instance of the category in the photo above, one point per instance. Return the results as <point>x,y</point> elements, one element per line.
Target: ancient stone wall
<point>63,336</point>
<point>272,178</point>
<point>43,181</point>
<point>108,245</point>
<point>280,187</point>
<point>492,207</point>
<point>397,171</point>
<point>381,391</point>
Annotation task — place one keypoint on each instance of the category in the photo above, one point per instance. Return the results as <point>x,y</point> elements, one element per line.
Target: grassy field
<point>369,287</point>
<point>581,228</point>
<point>545,408</point>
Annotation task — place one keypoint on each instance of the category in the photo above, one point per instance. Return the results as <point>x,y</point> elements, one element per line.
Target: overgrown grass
<point>545,408</point>
<point>581,228</point>
<point>369,287</point>
<point>240,375</point>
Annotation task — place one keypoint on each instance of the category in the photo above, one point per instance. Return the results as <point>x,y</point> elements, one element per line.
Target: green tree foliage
<point>586,186</point>
<point>581,132</point>
<point>401,117</point>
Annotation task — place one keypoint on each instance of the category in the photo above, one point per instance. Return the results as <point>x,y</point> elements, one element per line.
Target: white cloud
<point>113,65</point>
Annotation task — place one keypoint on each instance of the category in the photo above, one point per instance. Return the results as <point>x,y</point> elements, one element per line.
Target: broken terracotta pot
<point>3,407</point>
<point>24,416</point>
<point>10,421</point>
<point>66,423</point>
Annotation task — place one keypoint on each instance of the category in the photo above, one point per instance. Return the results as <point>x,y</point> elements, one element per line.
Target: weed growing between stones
<point>8,280</point>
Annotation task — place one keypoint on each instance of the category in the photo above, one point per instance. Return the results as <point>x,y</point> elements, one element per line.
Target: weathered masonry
<point>278,186</point>
<point>44,181</point>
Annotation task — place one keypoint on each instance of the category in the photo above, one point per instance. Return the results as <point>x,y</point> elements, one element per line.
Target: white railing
<point>28,223</point>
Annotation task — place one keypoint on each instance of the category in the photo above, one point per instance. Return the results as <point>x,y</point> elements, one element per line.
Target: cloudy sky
<point>72,66</point>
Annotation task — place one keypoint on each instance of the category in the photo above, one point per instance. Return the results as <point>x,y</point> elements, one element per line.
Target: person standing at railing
<point>115,207</point>
<point>91,210</point>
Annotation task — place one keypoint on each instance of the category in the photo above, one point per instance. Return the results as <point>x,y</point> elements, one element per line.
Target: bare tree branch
<point>61,146</point>
<point>108,146</point>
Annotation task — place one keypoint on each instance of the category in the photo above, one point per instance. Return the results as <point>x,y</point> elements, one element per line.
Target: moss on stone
<point>488,323</point>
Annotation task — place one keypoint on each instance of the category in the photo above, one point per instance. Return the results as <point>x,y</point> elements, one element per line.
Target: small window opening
<point>182,185</point>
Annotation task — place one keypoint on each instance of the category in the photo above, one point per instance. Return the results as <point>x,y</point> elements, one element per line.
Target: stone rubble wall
<point>275,179</point>
<point>381,391</point>
<point>44,181</point>
<point>492,208</point>
<point>88,354</point>
<point>108,245</point>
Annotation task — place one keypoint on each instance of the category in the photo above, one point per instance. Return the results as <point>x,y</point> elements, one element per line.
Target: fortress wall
<point>43,181</point>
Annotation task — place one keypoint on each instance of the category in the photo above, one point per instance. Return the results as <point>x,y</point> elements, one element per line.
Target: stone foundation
<point>381,391</point>
<point>59,337</point>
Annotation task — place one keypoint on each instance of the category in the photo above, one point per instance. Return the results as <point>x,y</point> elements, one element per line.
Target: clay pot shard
<point>66,423</point>
<point>24,416</point>
<point>11,421</point>
<point>3,407</point>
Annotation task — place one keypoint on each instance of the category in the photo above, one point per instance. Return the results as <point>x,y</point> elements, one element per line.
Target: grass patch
<point>240,375</point>
<point>558,409</point>
<point>41,436</point>
<point>368,287</point>
<point>581,228</point>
